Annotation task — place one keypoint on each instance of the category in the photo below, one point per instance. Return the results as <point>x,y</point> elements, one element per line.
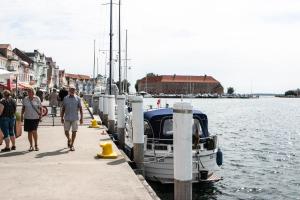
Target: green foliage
<point>290,93</point>
<point>123,84</point>
<point>136,86</point>
<point>230,90</point>
<point>151,74</point>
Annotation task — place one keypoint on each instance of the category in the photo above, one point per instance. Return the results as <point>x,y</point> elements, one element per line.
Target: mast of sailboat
<point>120,58</point>
<point>97,67</point>
<point>110,47</point>
<point>125,89</point>
<point>94,65</point>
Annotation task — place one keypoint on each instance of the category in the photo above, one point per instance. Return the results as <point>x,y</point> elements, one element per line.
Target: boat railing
<point>154,144</point>
<point>166,145</point>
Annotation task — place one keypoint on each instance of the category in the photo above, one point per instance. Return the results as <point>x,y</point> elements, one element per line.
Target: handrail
<point>160,139</point>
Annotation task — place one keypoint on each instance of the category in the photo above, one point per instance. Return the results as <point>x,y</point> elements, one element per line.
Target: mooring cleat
<point>94,124</point>
<point>107,151</point>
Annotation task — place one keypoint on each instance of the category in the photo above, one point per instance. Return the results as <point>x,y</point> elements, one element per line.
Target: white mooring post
<point>182,126</point>
<point>105,110</point>
<point>138,132</point>
<point>121,120</point>
<point>101,107</point>
<point>111,114</point>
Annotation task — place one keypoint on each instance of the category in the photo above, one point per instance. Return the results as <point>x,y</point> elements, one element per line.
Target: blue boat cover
<point>156,118</point>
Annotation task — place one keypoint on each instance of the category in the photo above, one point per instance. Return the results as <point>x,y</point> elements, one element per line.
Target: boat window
<point>148,129</point>
<point>197,131</point>
<point>168,127</point>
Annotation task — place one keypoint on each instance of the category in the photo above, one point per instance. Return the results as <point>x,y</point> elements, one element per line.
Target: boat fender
<point>219,157</point>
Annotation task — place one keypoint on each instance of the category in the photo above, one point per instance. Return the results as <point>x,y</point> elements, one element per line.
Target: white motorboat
<point>158,149</point>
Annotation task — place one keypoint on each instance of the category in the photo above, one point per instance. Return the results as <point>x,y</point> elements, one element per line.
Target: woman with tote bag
<point>31,115</point>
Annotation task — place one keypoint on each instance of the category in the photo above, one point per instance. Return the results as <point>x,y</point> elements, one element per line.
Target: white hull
<point>160,167</point>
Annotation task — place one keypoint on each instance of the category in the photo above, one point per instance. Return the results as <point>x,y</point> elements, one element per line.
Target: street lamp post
<point>16,87</point>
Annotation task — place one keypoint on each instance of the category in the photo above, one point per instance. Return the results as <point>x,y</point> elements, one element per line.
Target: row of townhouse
<point>34,69</point>
<point>28,68</point>
<point>83,83</point>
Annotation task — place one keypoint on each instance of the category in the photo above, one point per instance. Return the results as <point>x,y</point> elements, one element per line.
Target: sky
<point>250,45</point>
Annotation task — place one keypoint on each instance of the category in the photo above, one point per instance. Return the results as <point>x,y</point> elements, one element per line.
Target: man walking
<point>69,115</point>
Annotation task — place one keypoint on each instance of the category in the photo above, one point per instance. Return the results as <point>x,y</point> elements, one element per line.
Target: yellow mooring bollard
<point>107,151</point>
<point>94,124</point>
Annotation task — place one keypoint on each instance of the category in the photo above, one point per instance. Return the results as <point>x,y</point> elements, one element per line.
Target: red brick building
<point>178,84</point>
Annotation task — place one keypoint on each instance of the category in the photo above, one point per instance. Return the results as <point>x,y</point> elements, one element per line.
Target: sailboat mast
<point>110,47</point>
<point>125,89</point>
<point>120,58</point>
<point>97,67</point>
<point>94,65</point>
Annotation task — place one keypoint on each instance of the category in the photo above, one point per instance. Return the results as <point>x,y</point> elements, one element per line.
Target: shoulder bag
<point>40,116</point>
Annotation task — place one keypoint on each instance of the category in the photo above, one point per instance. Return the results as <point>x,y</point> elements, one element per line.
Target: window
<point>197,133</point>
<point>148,129</point>
<point>197,128</point>
<point>168,127</point>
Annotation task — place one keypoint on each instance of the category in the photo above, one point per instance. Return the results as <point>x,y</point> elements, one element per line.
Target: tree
<point>290,93</point>
<point>123,85</point>
<point>230,90</point>
<point>136,86</point>
<point>150,74</point>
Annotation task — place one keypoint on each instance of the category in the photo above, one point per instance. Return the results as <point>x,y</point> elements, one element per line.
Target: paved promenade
<point>54,172</point>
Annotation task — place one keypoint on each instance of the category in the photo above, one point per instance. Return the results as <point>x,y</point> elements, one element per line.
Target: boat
<point>145,94</point>
<point>158,147</point>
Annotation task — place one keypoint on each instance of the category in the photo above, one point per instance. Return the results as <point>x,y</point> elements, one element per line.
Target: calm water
<point>260,139</point>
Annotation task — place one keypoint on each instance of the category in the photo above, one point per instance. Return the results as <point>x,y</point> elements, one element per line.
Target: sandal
<point>30,148</point>
<point>5,149</point>
<point>72,148</point>
<point>69,143</point>
<point>13,148</point>
<point>36,148</point>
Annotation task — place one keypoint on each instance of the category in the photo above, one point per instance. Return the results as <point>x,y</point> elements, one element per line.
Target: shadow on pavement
<point>13,153</point>
<point>53,153</point>
<point>105,139</point>
<point>117,162</point>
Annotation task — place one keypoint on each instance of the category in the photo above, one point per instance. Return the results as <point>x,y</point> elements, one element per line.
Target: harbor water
<point>260,140</point>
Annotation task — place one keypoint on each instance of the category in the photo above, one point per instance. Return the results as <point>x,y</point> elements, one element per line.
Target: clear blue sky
<point>247,44</point>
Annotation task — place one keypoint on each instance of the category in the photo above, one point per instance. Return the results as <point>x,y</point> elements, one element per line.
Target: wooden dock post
<point>182,126</point>
<point>101,107</point>
<point>138,132</point>
<point>105,110</point>
<point>121,120</point>
<point>111,113</point>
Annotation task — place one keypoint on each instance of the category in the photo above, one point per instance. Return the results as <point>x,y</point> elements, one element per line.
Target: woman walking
<point>31,114</point>
<point>7,120</point>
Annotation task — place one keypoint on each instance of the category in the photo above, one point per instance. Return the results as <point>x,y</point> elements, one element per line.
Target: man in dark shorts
<point>69,115</point>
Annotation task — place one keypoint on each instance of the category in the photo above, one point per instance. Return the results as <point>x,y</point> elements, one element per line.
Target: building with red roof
<point>180,84</point>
